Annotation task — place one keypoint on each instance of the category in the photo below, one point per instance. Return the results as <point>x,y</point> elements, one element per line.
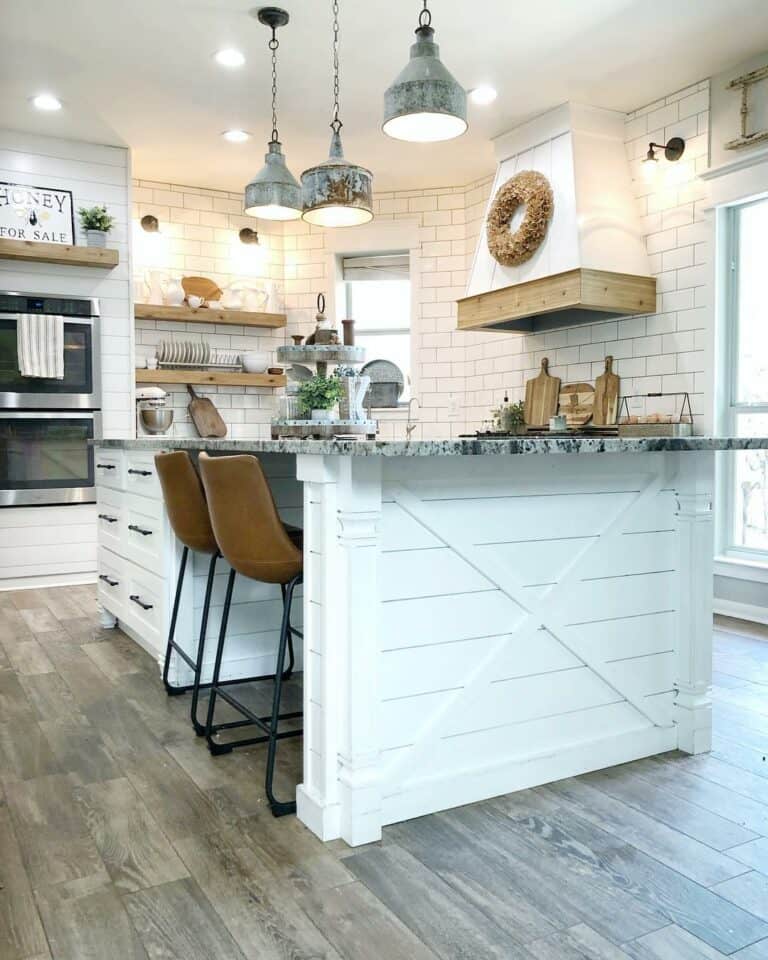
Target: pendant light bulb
<point>274,193</point>
<point>426,103</point>
<point>337,193</point>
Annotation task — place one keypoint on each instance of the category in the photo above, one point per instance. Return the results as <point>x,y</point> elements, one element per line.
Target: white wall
<point>199,237</point>
<point>58,544</point>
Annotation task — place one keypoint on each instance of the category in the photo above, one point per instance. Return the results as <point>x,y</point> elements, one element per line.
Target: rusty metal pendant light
<point>425,103</point>
<point>337,193</point>
<point>274,193</point>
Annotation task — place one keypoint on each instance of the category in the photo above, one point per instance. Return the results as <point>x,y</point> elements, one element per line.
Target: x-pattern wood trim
<point>540,613</point>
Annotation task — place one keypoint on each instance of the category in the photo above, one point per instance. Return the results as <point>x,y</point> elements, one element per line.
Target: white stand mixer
<point>153,417</point>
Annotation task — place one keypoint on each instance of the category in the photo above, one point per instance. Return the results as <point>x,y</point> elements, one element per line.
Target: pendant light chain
<point>336,124</point>
<point>274,43</point>
<point>425,17</point>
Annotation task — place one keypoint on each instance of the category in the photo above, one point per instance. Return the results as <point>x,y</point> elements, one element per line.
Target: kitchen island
<point>480,616</point>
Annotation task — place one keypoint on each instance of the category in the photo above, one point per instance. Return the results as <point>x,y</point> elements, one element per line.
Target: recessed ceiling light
<point>236,136</point>
<point>229,57</point>
<point>46,101</point>
<point>483,95</point>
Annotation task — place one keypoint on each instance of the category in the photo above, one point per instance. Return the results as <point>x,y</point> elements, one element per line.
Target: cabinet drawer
<point>109,468</point>
<point>141,475</point>
<point>110,518</point>
<point>112,582</point>
<point>144,609</point>
<point>143,534</point>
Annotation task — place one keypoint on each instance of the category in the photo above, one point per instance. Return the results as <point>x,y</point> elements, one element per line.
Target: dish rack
<point>199,366</point>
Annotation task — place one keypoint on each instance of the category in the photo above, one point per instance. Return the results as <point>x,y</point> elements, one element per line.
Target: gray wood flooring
<point>121,837</point>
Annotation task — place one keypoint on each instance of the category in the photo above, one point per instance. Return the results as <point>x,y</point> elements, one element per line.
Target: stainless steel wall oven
<point>46,424</point>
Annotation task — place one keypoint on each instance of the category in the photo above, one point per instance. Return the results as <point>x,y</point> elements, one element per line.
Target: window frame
<point>731,408</point>
<point>374,331</point>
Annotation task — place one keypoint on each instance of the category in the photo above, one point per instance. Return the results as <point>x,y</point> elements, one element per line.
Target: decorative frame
<point>528,188</point>
<point>23,207</point>
<point>745,82</point>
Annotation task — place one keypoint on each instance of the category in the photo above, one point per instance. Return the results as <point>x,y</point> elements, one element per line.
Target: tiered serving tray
<point>321,355</point>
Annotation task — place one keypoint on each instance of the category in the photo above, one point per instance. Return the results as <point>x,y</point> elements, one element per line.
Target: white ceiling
<point>139,72</point>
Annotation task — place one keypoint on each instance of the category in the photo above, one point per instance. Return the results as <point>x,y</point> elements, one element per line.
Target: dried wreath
<point>533,190</point>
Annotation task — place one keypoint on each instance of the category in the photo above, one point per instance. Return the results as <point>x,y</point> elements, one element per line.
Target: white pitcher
<point>155,281</point>
<point>174,292</point>
<point>351,404</point>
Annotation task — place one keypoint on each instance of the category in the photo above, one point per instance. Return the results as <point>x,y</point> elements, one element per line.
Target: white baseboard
<point>741,611</point>
<point>54,580</point>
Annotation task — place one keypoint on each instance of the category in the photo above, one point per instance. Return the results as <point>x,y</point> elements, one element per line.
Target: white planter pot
<point>322,416</point>
<point>95,238</point>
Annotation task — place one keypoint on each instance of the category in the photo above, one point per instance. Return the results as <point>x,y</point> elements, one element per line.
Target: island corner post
<point>477,625</point>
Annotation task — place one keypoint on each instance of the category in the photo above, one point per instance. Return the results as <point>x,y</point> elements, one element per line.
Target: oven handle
<point>106,579</point>
<point>137,599</point>
<point>137,529</point>
<point>106,516</point>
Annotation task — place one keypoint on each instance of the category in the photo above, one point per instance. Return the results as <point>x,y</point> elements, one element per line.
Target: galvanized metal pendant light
<point>425,103</point>
<point>337,193</point>
<point>274,193</point>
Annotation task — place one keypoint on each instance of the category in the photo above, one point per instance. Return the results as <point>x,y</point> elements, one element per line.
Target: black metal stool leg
<point>200,727</point>
<point>279,809</point>
<point>171,690</point>
<point>291,660</point>
<point>218,748</point>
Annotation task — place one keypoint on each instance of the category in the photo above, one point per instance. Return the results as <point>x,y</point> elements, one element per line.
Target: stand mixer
<point>152,415</point>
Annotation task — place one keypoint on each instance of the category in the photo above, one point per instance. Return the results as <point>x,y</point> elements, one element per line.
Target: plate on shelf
<point>384,371</point>
<point>299,373</point>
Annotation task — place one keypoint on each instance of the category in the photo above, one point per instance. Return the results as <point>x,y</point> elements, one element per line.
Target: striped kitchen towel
<point>40,346</point>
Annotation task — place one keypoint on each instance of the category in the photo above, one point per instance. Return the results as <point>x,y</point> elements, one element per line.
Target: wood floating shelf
<point>221,378</point>
<point>562,300</point>
<point>235,318</point>
<point>59,253</point>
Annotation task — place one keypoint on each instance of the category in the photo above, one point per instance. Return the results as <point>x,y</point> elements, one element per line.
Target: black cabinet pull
<point>106,516</point>
<point>106,579</point>
<point>137,529</point>
<point>137,599</point>
<point>141,473</point>
<point>105,466</point>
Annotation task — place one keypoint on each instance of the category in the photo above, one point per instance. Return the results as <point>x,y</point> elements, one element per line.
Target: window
<point>746,380</point>
<point>378,299</point>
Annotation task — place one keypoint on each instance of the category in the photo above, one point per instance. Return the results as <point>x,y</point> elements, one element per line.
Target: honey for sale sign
<point>40,214</point>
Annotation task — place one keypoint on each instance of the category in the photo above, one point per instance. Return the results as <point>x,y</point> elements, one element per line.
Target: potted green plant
<point>319,396</point>
<point>510,418</point>
<point>97,223</point>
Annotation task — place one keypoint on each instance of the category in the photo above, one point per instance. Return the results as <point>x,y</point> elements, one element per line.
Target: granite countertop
<point>447,448</point>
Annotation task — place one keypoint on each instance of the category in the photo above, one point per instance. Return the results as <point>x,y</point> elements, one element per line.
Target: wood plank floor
<point>121,837</point>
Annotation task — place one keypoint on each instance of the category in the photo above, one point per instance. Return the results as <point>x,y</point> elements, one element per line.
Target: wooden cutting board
<point>606,406</point>
<point>576,401</point>
<point>205,416</point>
<point>201,287</point>
<point>541,397</point>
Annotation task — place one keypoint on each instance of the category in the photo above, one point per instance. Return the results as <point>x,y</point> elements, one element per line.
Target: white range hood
<point>592,264</point>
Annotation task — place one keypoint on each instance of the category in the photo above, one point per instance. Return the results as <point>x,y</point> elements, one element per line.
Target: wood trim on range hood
<point>562,300</point>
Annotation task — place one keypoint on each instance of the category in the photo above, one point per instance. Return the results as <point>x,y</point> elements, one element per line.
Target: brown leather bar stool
<point>188,515</point>
<point>253,540</point>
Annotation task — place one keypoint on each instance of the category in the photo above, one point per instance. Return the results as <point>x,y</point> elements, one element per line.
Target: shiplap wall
<point>58,544</point>
<point>455,696</point>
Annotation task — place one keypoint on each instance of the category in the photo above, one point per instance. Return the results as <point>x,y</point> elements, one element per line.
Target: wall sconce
<point>247,235</point>
<point>150,224</point>
<point>673,150</point>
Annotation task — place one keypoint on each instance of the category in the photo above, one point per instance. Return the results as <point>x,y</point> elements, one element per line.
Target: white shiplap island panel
<point>478,625</point>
